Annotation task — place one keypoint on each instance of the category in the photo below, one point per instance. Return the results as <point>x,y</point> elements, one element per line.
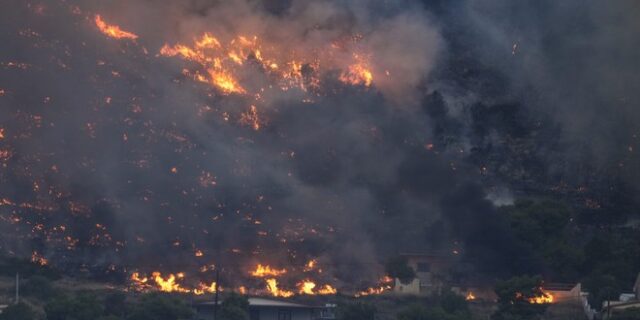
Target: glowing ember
<point>544,298</point>
<point>310,265</point>
<point>112,30</point>
<point>251,118</point>
<point>358,74</point>
<point>470,296</point>
<point>38,259</point>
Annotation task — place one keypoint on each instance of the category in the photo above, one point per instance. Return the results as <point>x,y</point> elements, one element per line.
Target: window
<point>254,314</point>
<point>423,267</point>
<point>284,314</point>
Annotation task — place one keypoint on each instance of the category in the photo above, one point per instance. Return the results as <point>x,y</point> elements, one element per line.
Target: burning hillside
<point>160,157</point>
<point>289,148</point>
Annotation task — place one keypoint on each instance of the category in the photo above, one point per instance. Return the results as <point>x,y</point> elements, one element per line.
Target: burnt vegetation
<point>420,126</point>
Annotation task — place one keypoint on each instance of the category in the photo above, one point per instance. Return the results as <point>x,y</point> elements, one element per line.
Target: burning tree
<point>521,298</point>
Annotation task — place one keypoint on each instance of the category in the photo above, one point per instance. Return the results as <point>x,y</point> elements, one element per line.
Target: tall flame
<point>272,287</point>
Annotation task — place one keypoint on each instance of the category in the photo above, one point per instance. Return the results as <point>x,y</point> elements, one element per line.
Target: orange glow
<point>306,287</point>
<point>251,118</point>
<point>39,259</point>
<point>169,284</point>
<point>220,64</point>
<point>112,30</point>
<point>1,133</point>
<point>266,271</point>
<point>358,73</point>
<point>470,296</point>
<point>385,285</point>
<point>272,287</point>
<point>204,288</point>
<point>310,265</point>
<point>225,82</point>
<point>327,290</point>
<point>544,298</point>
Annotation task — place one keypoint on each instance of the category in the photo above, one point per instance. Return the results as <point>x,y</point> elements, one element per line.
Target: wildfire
<point>113,31</point>
<point>222,61</point>
<point>204,288</point>
<point>358,74</point>
<point>306,287</point>
<point>272,287</point>
<point>251,118</point>
<point>544,298</point>
<point>39,259</point>
<point>470,296</point>
<point>169,284</point>
<point>310,265</point>
<point>266,271</point>
<point>1,133</point>
<point>384,286</point>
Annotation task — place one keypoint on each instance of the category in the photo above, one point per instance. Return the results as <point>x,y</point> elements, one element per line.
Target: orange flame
<point>251,118</point>
<point>358,73</point>
<point>266,271</point>
<point>272,287</point>
<point>470,296</point>
<point>306,287</point>
<point>39,259</point>
<point>544,298</point>
<point>113,31</point>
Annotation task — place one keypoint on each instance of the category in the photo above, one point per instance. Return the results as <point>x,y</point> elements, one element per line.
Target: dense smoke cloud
<point>140,166</point>
<point>570,66</point>
<point>114,156</point>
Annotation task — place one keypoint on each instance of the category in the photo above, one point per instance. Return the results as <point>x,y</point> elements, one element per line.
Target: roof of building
<point>556,286</point>
<point>265,303</point>
<point>620,304</point>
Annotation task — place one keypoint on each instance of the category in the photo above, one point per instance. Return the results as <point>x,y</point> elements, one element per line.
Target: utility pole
<point>215,302</point>
<point>17,287</point>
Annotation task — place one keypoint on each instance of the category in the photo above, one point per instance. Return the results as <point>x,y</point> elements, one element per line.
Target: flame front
<point>112,30</point>
<point>543,298</point>
<point>222,61</point>
<point>470,296</point>
<point>266,271</point>
<point>272,287</point>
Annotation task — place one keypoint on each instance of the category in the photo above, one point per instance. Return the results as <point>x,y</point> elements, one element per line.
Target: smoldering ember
<point>332,159</point>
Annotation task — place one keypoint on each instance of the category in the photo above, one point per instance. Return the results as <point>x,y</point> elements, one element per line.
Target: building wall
<point>265,313</point>
<point>281,314</point>
<point>431,273</point>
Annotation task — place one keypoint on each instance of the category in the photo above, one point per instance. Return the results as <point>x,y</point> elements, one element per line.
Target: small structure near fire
<point>270,309</point>
<point>431,274</point>
<point>563,292</point>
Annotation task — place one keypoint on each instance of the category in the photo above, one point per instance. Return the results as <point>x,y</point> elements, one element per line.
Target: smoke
<point>115,157</point>
<point>571,66</point>
<point>132,164</point>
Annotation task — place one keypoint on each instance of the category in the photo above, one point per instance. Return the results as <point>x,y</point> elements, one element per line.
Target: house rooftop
<point>266,303</point>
